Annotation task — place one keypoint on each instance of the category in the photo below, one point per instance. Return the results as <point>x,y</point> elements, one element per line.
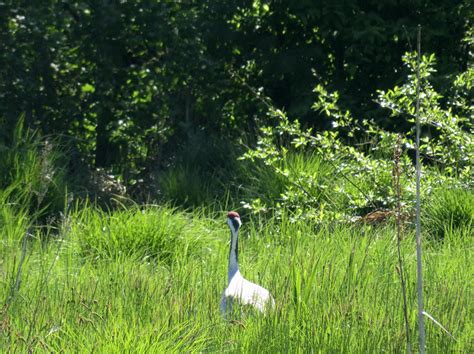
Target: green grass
<point>151,281</point>
<point>186,186</point>
<point>32,170</point>
<point>449,209</point>
<point>262,180</point>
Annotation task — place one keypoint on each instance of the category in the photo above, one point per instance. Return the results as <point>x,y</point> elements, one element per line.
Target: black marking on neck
<point>236,224</point>
<point>236,250</point>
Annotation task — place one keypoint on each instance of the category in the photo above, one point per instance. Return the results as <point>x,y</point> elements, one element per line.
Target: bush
<point>360,153</point>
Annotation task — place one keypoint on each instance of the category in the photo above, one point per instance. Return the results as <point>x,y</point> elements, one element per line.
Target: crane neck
<point>233,254</point>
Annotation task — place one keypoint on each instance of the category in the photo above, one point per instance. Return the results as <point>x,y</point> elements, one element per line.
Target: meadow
<point>337,130</point>
<point>149,279</point>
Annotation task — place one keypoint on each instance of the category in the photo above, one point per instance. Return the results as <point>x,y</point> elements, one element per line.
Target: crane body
<point>240,289</point>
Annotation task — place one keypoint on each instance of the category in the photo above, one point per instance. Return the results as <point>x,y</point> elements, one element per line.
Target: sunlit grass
<point>449,209</point>
<point>336,287</point>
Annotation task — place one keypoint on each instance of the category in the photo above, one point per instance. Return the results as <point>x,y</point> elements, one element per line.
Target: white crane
<point>238,288</point>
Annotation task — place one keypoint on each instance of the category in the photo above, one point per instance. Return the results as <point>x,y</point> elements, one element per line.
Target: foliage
<point>361,172</point>
<point>200,173</point>
<point>449,141</point>
<point>130,82</point>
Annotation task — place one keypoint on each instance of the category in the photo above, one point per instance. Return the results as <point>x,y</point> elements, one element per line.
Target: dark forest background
<point>129,90</point>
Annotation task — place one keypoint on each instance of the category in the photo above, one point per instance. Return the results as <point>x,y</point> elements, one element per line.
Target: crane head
<point>233,220</point>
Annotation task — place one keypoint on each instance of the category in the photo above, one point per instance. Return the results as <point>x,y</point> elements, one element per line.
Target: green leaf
<point>87,88</point>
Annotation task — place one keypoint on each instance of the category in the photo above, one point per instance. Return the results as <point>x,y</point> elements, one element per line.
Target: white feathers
<point>240,289</point>
<point>246,293</point>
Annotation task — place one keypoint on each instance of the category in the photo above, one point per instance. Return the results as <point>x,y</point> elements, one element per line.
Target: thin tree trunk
<point>421,324</point>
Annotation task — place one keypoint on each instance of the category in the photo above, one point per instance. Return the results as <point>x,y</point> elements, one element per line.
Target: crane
<point>239,288</point>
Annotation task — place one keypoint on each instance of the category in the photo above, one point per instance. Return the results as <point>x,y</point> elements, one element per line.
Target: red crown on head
<point>233,214</point>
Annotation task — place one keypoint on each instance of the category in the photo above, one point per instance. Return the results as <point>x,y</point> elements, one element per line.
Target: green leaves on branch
<point>320,185</point>
<point>355,157</point>
<point>447,136</point>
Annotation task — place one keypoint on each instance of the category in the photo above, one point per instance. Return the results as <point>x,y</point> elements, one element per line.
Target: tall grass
<point>156,232</point>
<point>449,209</point>
<point>14,217</point>
<point>201,172</point>
<point>336,287</point>
<point>188,187</point>
<point>32,170</point>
